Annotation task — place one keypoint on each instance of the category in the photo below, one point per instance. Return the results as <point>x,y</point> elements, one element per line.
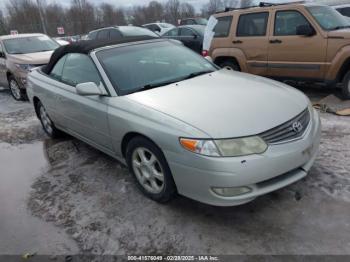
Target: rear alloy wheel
<point>16,92</point>
<point>46,122</point>
<point>346,86</point>
<point>148,166</point>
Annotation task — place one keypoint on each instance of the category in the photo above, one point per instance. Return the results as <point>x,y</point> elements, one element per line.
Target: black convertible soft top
<point>85,47</point>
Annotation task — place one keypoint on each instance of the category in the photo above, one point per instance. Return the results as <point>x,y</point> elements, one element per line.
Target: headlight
<point>241,146</point>
<point>25,67</point>
<point>226,147</point>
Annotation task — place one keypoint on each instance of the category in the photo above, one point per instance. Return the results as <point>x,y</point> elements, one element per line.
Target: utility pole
<point>41,17</point>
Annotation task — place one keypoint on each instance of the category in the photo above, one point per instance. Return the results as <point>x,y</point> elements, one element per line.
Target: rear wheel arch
<point>222,59</point>
<point>343,70</point>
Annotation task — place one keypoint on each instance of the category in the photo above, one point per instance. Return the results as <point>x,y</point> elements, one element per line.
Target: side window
<point>286,22</point>
<point>223,27</point>
<point>93,35</point>
<point>57,70</point>
<point>172,32</point>
<point>114,34</point>
<point>186,32</point>
<point>344,11</point>
<point>103,34</point>
<point>252,24</point>
<point>78,69</point>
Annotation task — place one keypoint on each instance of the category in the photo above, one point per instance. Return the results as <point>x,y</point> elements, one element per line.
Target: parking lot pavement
<point>80,194</point>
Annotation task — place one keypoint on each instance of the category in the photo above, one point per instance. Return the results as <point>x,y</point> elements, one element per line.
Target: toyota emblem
<point>297,127</point>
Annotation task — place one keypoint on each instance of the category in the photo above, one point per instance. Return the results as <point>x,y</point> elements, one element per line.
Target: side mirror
<point>306,30</point>
<point>2,54</point>
<point>90,89</point>
<point>195,36</point>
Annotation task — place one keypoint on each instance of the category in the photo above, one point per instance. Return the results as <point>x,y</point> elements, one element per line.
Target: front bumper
<point>280,166</point>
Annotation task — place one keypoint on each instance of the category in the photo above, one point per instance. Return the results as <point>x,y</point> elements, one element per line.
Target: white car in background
<point>159,28</point>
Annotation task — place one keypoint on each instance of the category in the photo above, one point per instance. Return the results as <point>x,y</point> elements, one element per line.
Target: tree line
<point>83,16</point>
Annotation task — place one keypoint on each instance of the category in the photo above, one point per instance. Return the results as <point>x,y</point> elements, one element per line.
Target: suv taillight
<point>205,53</point>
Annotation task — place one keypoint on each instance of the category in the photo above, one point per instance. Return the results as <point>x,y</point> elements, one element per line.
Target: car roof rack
<point>261,4</point>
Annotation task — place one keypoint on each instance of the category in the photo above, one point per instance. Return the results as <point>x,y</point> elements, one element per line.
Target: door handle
<point>237,42</point>
<point>276,41</point>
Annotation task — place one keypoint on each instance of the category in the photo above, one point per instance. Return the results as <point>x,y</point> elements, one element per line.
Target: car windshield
<point>140,67</point>
<point>136,31</point>
<point>328,18</point>
<point>26,45</point>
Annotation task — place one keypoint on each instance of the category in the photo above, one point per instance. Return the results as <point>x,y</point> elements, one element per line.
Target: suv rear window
<point>252,24</point>
<point>344,11</point>
<point>223,27</point>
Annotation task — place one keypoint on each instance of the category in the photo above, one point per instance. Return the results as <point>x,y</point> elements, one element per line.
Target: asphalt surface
<point>64,197</point>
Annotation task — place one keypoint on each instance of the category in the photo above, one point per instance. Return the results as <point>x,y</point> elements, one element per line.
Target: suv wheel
<point>230,65</point>
<point>149,168</point>
<point>346,86</point>
<point>46,122</point>
<point>16,92</point>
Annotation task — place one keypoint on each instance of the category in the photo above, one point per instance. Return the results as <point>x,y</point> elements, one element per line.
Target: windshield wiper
<point>193,75</point>
<point>151,86</point>
<point>339,27</point>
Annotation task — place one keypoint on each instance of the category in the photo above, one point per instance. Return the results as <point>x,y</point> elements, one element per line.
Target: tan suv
<point>18,55</point>
<point>303,42</point>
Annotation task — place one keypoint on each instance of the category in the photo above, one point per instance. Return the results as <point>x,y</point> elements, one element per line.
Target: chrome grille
<point>291,130</point>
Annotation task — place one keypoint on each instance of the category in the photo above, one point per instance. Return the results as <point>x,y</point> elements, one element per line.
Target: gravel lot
<point>72,199</point>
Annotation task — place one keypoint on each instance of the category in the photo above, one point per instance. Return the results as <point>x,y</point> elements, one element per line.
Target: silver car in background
<point>181,124</point>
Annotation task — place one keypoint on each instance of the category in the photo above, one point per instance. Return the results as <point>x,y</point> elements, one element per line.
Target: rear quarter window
<point>344,11</point>
<point>254,24</point>
<point>223,27</point>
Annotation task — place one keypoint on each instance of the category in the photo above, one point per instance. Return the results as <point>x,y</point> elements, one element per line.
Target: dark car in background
<point>194,21</point>
<point>190,35</point>
<point>117,32</point>
<point>343,9</point>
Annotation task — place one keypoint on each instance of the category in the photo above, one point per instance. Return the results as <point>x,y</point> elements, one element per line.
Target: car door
<point>173,34</point>
<point>85,116</point>
<point>3,78</point>
<point>292,55</point>
<point>114,34</point>
<point>252,39</point>
<point>190,38</point>
<point>103,34</point>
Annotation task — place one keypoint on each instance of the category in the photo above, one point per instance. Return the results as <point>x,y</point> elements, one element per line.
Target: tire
<point>346,86</point>
<point>17,93</point>
<point>46,122</point>
<point>150,170</point>
<point>230,65</point>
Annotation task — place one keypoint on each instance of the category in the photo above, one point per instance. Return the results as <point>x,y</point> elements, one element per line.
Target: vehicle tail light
<point>205,53</point>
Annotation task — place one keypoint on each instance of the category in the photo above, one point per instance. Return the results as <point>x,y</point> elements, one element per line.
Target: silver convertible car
<point>178,122</point>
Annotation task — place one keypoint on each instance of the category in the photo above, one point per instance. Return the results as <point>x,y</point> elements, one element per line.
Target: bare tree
<point>24,16</point>
<point>3,24</point>
<point>212,7</point>
<point>55,17</point>
<point>109,15</point>
<point>81,17</point>
<point>187,10</point>
<point>172,10</point>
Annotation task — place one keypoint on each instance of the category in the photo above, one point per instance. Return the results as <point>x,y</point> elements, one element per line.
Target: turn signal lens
<point>231,191</point>
<point>203,147</point>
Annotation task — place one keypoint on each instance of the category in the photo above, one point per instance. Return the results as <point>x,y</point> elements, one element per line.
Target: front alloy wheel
<point>150,169</point>
<point>16,91</point>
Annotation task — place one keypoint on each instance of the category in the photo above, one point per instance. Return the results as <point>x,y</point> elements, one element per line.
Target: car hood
<point>340,33</point>
<point>227,104</point>
<point>39,58</point>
